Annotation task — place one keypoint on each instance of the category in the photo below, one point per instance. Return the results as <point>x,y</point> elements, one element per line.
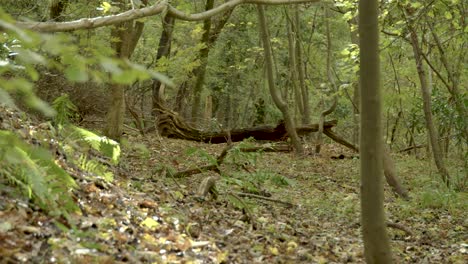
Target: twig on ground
<point>250,195</point>
<point>400,227</point>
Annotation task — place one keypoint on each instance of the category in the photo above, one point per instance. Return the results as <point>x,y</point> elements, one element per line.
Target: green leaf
<point>448,15</point>
<point>5,98</point>
<point>76,74</point>
<point>106,146</point>
<point>111,66</point>
<point>162,78</point>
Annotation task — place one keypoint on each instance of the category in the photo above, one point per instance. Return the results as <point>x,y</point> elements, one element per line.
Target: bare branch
<point>160,7</point>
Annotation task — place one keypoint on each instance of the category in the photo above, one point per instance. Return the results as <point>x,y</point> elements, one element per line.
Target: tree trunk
<point>376,243</point>
<point>427,105</point>
<point>301,68</point>
<point>164,50</point>
<point>200,71</point>
<point>292,43</point>
<point>356,91</point>
<point>208,38</point>
<point>454,90</point>
<point>275,93</point>
<point>127,35</point>
<point>331,82</point>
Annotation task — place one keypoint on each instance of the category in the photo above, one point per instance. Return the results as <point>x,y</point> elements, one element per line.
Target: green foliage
<point>104,145</point>
<point>77,144</point>
<point>65,109</point>
<point>59,52</point>
<point>138,148</point>
<point>94,167</point>
<point>34,172</point>
<point>202,154</point>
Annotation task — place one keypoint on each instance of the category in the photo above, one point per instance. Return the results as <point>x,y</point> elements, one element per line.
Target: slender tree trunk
<point>200,71</point>
<point>127,35</point>
<point>275,93</point>
<point>454,90</point>
<point>208,38</point>
<point>301,68</point>
<point>331,82</point>
<point>427,105</point>
<point>376,243</point>
<point>292,42</point>
<point>356,91</point>
<point>164,50</point>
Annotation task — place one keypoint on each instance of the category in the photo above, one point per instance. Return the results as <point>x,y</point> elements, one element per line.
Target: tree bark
<point>454,90</point>
<point>127,35</point>
<point>301,69</point>
<point>164,50</point>
<point>331,82</point>
<point>159,7</point>
<point>427,106</point>
<point>292,43</point>
<point>356,90</point>
<point>376,243</point>
<point>275,93</point>
<point>209,37</point>
<point>200,71</point>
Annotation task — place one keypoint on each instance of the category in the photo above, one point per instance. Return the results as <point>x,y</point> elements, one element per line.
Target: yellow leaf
<point>150,223</point>
<point>292,244</point>
<point>149,239</point>
<point>221,257</point>
<point>106,7</point>
<point>273,251</point>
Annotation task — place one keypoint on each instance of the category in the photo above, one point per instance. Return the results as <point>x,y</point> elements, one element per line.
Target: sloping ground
<point>146,217</point>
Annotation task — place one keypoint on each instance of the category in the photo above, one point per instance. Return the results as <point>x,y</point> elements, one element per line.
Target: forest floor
<point>147,216</point>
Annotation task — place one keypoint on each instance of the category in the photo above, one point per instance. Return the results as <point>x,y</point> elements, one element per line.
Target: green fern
<point>104,145</point>
<point>34,171</point>
<point>95,167</point>
<point>66,110</point>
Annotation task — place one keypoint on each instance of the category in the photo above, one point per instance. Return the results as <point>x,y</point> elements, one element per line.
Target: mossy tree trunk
<point>164,50</point>
<point>208,38</point>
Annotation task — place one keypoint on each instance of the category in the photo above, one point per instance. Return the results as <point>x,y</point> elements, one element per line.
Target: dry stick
<point>247,211</point>
<point>132,128</point>
<point>400,227</point>
<point>278,148</point>
<point>250,195</point>
<point>411,148</point>
<point>213,167</point>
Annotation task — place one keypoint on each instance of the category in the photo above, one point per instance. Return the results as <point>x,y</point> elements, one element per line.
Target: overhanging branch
<point>160,7</point>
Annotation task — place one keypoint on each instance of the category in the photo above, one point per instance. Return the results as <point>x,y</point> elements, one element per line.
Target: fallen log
<point>171,125</point>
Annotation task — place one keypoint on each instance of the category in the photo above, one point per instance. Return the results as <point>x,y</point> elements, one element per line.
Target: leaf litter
<point>146,216</point>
